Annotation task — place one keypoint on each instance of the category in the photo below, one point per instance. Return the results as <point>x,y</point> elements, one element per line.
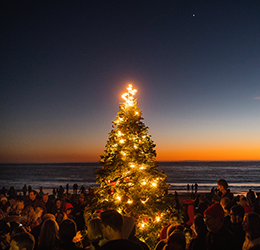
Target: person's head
<point>81,199</point>
<point>3,200</point>
<point>174,219</point>
<point>193,196</point>
<point>112,223</point>
<point>67,208</point>
<point>22,241</point>
<point>222,185</point>
<point>58,203</point>
<point>215,199</point>
<point>49,234</point>
<point>47,217</point>
<point>237,213</point>
<point>202,199</point>
<point>45,198</point>
<point>38,212</point>
<point>18,207</point>
<point>243,201</point>
<point>224,202</point>
<point>60,217</point>
<point>68,230</point>
<point>95,233</point>
<point>214,217</point>
<point>198,224</point>
<point>32,195</point>
<point>176,241</point>
<point>251,225</point>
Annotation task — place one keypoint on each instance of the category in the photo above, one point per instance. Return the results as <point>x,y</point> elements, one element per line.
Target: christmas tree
<point>130,180</point>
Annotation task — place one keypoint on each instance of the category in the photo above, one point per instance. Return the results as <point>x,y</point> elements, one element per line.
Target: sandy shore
<point>182,194</point>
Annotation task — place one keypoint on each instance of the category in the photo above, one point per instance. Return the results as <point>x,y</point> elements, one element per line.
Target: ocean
<point>241,175</point>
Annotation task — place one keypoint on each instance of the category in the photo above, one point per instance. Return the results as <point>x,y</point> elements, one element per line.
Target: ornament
<point>110,191</point>
<point>113,126</point>
<point>113,184</point>
<point>124,198</point>
<point>145,219</point>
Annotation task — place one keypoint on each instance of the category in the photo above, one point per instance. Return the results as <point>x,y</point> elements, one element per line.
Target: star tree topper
<point>129,96</point>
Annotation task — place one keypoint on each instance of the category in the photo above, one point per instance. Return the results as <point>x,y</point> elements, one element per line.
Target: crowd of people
<point>38,221</point>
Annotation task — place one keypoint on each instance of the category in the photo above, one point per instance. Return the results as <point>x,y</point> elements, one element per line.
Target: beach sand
<point>182,194</point>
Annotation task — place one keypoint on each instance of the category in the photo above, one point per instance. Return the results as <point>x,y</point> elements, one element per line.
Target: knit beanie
<point>215,210</point>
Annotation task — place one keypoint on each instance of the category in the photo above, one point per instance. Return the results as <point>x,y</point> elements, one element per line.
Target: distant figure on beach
<point>3,191</point>
<point>188,187</point>
<point>41,192</point>
<point>251,197</point>
<point>192,188</point>
<point>223,189</point>
<point>75,188</point>
<point>12,193</point>
<point>67,188</point>
<point>24,190</point>
<point>61,191</point>
<point>82,189</point>
<point>196,187</point>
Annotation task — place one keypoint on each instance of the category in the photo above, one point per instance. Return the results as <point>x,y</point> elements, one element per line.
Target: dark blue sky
<point>65,64</point>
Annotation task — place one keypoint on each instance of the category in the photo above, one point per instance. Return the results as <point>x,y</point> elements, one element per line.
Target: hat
<point>4,199</point>
<point>215,210</point>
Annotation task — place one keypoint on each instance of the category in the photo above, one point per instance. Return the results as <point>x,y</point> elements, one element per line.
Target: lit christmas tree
<point>130,181</point>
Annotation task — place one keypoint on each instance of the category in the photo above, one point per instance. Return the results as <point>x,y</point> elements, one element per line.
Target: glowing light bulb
<point>129,201</point>
<point>119,133</point>
<point>143,225</point>
<point>135,146</point>
<point>129,96</point>
<point>144,183</point>
<point>132,165</point>
<point>122,141</point>
<point>157,218</point>
<point>154,184</point>
<point>119,198</point>
<point>137,113</point>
